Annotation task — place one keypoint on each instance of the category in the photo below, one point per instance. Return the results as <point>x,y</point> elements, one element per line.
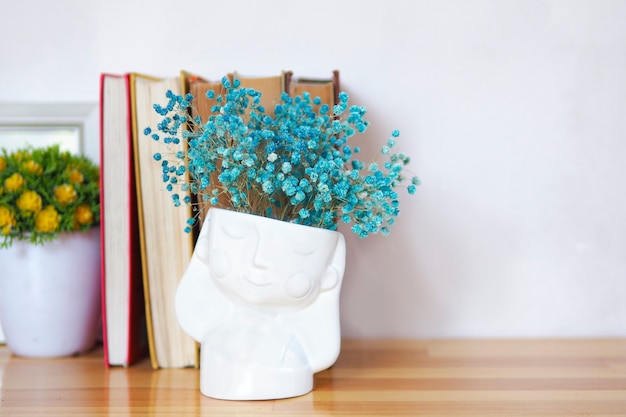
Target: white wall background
<point>514,112</point>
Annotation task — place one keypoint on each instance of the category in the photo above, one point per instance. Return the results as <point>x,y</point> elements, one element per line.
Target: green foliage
<point>44,192</point>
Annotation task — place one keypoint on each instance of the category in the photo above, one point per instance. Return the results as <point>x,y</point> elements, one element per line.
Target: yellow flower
<point>47,220</point>
<point>3,164</point>
<point>14,182</point>
<point>83,215</point>
<point>21,155</point>
<point>65,194</point>
<point>76,176</point>
<point>33,167</point>
<point>7,220</point>
<point>29,201</point>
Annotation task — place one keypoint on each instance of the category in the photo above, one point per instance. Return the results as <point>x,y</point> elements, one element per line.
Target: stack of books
<point>145,250</point>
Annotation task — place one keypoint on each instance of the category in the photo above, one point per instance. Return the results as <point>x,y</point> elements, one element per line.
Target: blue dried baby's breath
<point>294,164</point>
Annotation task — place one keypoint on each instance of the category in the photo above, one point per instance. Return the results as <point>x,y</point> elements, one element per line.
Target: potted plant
<point>261,293</point>
<point>49,251</point>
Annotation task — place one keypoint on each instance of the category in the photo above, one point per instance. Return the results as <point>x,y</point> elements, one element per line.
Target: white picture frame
<point>73,125</point>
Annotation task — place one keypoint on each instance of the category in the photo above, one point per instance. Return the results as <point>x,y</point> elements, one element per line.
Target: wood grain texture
<point>475,378</point>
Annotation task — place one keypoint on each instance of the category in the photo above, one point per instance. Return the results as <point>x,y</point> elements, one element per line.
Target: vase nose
<point>263,251</point>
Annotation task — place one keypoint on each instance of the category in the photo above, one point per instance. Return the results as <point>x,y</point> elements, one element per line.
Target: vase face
<point>262,298</point>
<point>50,295</point>
<point>269,264</point>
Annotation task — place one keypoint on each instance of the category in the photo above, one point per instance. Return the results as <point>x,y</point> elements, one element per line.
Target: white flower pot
<point>50,295</point>
<point>262,298</point>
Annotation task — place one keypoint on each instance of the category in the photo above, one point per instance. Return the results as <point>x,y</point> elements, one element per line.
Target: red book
<point>123,308</point>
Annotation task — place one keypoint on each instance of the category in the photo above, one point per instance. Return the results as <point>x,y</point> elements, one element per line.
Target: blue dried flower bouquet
<point>293,164</point>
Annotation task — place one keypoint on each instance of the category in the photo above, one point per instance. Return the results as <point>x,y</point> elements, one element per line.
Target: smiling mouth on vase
<point>258,280</point>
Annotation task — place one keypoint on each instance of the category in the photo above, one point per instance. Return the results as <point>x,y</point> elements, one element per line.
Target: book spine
<point>103,78</point>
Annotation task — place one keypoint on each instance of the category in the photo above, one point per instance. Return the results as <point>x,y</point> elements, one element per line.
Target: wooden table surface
<point>371,378</point>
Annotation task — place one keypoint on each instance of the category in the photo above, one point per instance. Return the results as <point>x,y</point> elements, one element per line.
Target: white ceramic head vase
<point>262,298</point>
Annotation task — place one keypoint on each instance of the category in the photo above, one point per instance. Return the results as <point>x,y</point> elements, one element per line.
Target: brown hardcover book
<point>271,88</point>
<point>202,106</point>
<point>198,86</point>
<point>327,89</point>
